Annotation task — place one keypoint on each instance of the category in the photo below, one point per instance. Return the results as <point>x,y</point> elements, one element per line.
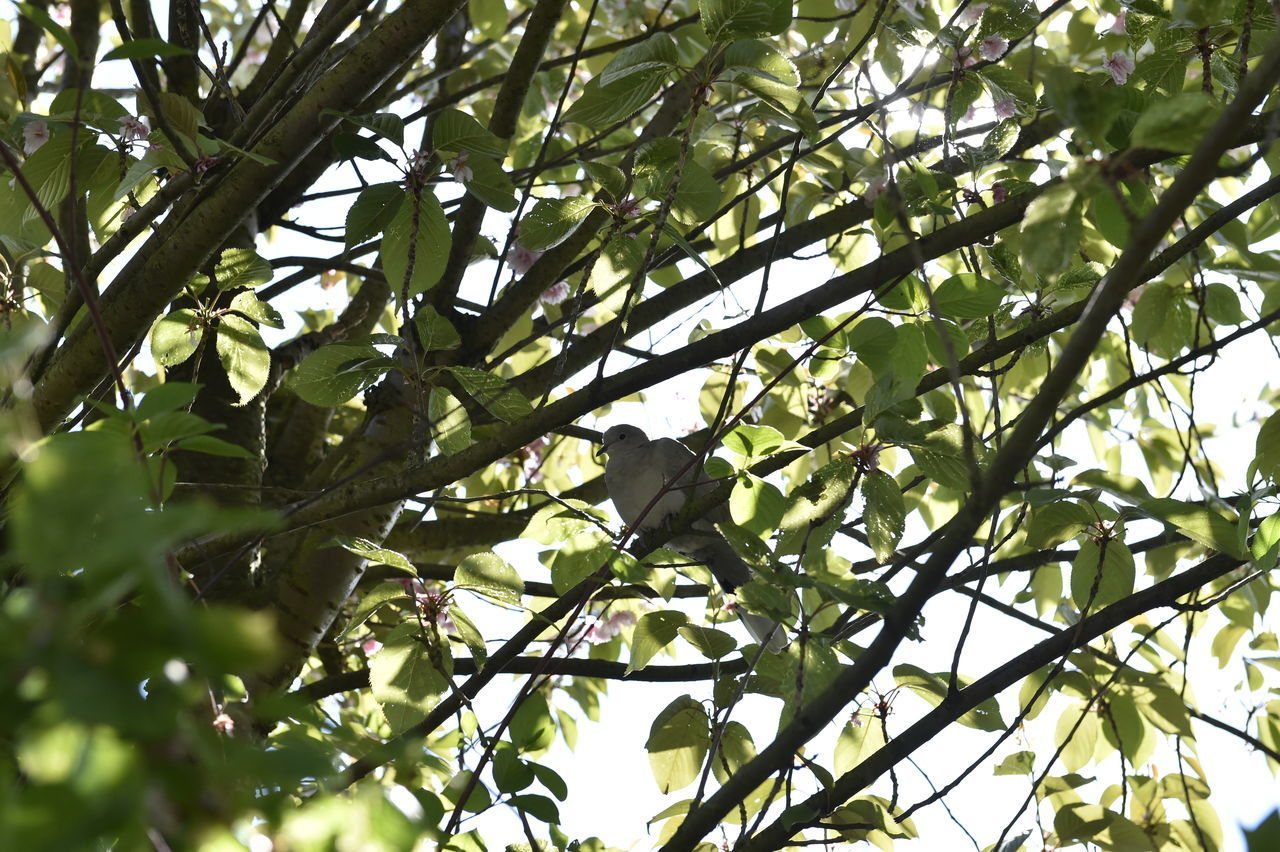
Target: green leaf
<point>858,740</point>
<point>490,575</point>
<point>755,441</point>
<point>248,303</point>
<point>212,446</point>
<point>1057,522</point>
<point>658,52</point>
<point>335,373</point>
<point>678,743</point>
<point>454,130</point>
<point>59,32</point>
<point>1052,229</point>
<point>469,634</point>
<point>403,679</point>
<point>373,210</point>
<point>552,221</point>
<point>1267,449</point>
<point>756,505</point>
<point>601,105</point>
<point>536,806</point>
<point>375,554</point>
<point>933,688</point>
<point>1198,523</point>
<point>885,514</point>
<point>372,601</point>
<point>141,48</point>
<point>968,296</point>
<point>493,393</point>
<point>243,355</point>
<point>1178,124</point>
<point>728,20</point>
<point>556,522</point>
<point>434,331</point>
<point>1113,572</point>
<point>237,267</point>
<point>653,632</point>
<point>428,238</point>
<point>449,421</point>
<point>175,337</point>
<point>711,643</point>
<point>761,59</point>
<point>489,183</point>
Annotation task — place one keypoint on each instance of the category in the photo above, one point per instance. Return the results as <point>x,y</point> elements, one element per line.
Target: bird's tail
<point>766,631</point>
<point>730,572</point>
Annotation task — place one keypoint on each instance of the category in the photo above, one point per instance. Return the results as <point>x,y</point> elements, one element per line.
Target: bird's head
<point>621,438</point>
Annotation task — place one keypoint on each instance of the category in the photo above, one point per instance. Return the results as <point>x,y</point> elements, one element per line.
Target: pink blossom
<point>1117,23</point>
<point>1006,108</point>
<point>999,193</point>
<point>370,646</point>
<point>969,114</point>
<point>555,294</point>
<point>993,47</point>
<point>34,135</point>
<point>971,14</point>
<point>520,259</point>
<point>1119,66</point>
<point>459,168</point>
<point>132,127</point>
<point>604,629</point>
<point>627,208</point>
<point>875,188</point>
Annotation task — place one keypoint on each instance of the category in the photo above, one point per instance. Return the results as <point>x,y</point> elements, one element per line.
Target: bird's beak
<point>596,453</point>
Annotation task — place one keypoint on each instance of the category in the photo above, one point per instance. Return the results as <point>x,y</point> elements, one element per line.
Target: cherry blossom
<point>1116,23</point>
<point>555,294</point>
<point>520,259</point>
<point>459,167</point>
<point>999,193</point>
<point>993,47</point>
<point>971,14</point>
<point>132,127</point>
<point>34,135</point>
<point>1006,108</point>
<point>1119,66</point>
<point>604,629</point>
<point>875,188</point>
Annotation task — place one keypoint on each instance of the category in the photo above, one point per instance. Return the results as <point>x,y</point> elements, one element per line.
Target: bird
<point>638,469</point>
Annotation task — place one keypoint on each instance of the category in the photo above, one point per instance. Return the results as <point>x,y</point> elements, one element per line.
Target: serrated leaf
<point>728,20</point>
<point>968,296</point>
<point>434,331</point>
<point>490,575</point>
<point>486,180</point>
<point>658,52</point>
<point>601,105</point>
<point>556,522</point>
<point>375,554</point>
<point>711,643</point>
<point>1112,570</point>
<point>933,688</point>
<point>1178,124</point>
<point>372,210</point>
<point>243,355</point>
<point>236,268</point>
<point>552,221</point>
<point>493,393</point>
<point>653,632</point>
<point>373,600</point>
<point>335,373</point>
<point>678,743</point>
<point>885,513</point>
<point>454,130</point>
<point>248,303</point>
<point>140,48</point>
<point>1057,522</point>
<point>1051,230</point>
<point>1198,523</point>
<point>469,634</point>
<point>212,446</point>
<point>403,679</point>
<point>175,337</point>
<point>427,234</point>
<point>450,423</point>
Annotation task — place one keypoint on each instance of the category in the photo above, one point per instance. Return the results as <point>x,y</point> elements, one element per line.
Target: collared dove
<point>638,469</point>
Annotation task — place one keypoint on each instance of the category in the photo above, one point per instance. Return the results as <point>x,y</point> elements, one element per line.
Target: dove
<point>637,470</point>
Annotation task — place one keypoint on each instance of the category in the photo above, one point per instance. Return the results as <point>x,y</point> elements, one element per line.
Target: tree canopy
<point>312,311</point>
